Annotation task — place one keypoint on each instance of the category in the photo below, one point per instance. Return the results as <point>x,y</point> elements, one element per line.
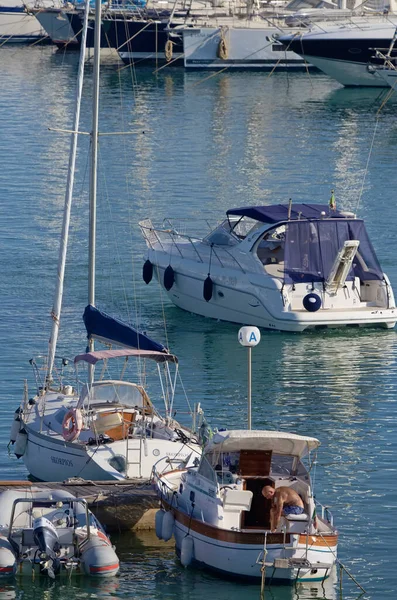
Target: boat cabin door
<point>255,470</point>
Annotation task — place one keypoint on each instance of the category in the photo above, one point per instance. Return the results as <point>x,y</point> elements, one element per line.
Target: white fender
<point>20,443</point>
<point>158,523</point>
<point>187,550</point>
<point>8,561</point>
<point>16,424</point>
<point>168,526</point>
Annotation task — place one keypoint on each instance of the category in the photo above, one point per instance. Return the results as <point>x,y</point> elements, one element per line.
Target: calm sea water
<point>208,144</point>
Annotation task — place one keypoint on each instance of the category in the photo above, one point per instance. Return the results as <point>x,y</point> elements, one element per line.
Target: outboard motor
<point>46,537</point>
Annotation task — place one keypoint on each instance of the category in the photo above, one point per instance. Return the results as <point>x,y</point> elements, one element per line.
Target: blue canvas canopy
<point>279,212</point>
<point>311,248</point>
<point>101,326</point>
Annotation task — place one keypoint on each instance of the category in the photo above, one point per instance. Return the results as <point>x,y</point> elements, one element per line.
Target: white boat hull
<point>49,458</point>
<point>389,76</point>
<point>57,26</point>
<point>244,560</point>
<point>262,306</point>
<point>349,74</point>
<point>247,48</point>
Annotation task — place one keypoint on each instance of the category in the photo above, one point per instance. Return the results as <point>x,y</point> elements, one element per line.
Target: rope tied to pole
<point>168,50</point>
<point>222,50</point>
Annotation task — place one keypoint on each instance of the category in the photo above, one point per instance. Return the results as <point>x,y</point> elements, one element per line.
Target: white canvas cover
<point>280,442</point>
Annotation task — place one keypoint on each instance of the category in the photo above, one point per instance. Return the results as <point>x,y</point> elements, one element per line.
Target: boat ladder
<point>134,454</point>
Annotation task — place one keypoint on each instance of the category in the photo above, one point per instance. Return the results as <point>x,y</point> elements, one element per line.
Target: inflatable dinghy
<point>52,533</point>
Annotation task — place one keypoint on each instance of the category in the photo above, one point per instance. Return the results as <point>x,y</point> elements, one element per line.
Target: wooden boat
<point>220,519</point>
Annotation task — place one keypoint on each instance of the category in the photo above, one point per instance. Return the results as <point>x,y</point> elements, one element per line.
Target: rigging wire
<point>383,104</point>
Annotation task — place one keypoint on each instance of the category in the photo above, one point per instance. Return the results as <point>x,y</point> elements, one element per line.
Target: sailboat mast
<point>94,164</point>
<point>57,306</point>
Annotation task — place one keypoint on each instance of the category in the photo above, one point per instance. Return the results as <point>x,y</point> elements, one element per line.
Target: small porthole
<point>221,294</point>
<point>354,50</point>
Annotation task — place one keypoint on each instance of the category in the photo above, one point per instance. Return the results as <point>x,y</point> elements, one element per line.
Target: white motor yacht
<point>221,520</point>
<point>346,50</point>
<point>283,267</point>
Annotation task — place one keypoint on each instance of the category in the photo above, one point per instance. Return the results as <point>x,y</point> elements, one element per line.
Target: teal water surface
<point>200,146</point>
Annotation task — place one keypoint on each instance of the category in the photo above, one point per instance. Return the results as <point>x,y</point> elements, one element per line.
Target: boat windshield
<point>112,392</point>
<point>232,231</point>
<point>281,464</point>
<point>296,5</point>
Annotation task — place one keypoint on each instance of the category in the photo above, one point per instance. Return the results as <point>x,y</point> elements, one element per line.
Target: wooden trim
<point>246,537</point>
<point>319,540</point>
<point>225,535</point>
<point>255,463</point>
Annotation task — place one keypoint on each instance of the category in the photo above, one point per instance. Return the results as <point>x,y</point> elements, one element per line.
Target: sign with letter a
<point>249,336</point>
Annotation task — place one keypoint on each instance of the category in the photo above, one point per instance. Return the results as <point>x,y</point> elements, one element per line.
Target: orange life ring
<point>72,424</point>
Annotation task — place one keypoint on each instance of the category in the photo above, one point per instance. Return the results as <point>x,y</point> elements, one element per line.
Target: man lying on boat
<point>285,502</point>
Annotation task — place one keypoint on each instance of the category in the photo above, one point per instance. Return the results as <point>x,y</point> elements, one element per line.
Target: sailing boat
<point>106,429</point>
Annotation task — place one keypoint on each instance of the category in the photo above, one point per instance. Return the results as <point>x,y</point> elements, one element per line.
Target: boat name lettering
<point>62,461</point>
<point>183,454</point>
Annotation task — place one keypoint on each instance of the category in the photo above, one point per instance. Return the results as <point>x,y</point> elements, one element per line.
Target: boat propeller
<point>50,567</point>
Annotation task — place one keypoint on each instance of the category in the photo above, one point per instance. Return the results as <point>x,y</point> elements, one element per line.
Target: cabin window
<point>282,465</point>
<point>270,249</point>
<point>279,48</point>
<point>113,393</point>
<point>222,235</point>
<point>245,226</point>
<point>300,469</point>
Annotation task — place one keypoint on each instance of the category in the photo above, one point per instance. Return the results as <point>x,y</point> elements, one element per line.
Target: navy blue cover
<point>100,325</point>
<point>279,212</point>
<point>311,248</point>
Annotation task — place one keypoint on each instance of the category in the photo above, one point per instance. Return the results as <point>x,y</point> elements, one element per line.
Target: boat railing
<point>389,62</point>
<point>168,237</point>
<point>326,514</point>
<point>155,237</point>
<point>166,490</point>
<point>50,502</point>
<point>39,365</point>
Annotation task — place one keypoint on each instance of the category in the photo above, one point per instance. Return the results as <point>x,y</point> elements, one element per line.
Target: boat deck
<point>119,505</point>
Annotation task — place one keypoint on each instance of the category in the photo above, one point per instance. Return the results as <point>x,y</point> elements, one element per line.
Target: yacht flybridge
<point>221,520</point>
<point>286,267</point>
